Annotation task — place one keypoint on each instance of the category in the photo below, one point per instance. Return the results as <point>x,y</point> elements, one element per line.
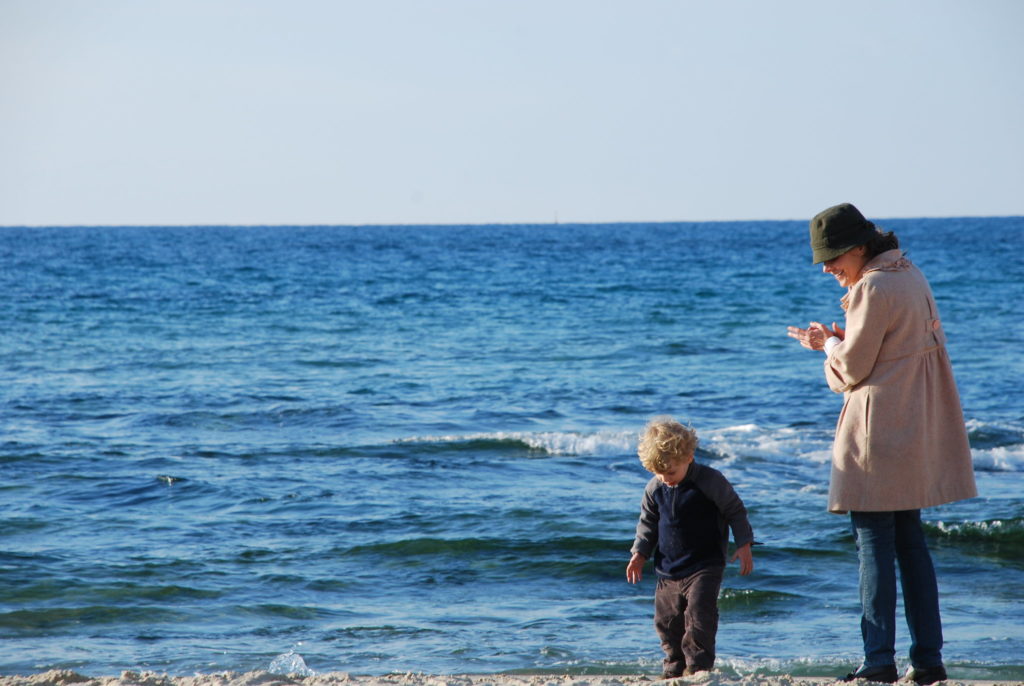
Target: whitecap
<point>290,663</point>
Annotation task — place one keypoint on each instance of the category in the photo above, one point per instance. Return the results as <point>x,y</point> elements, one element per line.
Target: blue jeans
<point>883,539</point>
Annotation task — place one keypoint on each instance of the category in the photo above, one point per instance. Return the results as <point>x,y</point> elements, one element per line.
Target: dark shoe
<point>886,674</point>
<point>671,675</point>
<point>926,675</point>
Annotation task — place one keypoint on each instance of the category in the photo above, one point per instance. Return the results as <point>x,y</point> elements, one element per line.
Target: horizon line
<point>156,225</point>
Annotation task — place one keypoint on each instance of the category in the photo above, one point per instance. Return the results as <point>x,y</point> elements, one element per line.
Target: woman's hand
<point>814,336</point>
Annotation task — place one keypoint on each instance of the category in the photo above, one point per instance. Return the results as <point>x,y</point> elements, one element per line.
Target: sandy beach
<point>261,678</point>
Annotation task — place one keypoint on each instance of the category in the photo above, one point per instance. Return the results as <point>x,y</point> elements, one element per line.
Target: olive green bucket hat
<point>837,230</point>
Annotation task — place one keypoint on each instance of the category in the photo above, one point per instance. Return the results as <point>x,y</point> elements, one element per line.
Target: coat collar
<point>889,261</point>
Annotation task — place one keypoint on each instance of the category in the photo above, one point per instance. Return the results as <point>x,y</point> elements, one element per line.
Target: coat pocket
<point>853,429</point>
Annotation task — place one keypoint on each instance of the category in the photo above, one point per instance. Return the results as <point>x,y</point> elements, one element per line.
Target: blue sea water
<point>378,449</point>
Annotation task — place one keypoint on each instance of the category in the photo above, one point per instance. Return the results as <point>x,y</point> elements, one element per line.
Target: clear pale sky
<point>480,111</point>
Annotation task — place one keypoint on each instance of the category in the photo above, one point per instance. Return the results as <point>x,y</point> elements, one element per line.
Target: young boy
<point>684,515</point>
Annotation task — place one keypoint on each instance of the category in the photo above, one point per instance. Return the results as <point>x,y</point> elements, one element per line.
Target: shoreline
<point>64,677</point>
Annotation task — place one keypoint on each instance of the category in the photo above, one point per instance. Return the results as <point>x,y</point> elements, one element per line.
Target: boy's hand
<point>634,570</point>
<point>746,559</point>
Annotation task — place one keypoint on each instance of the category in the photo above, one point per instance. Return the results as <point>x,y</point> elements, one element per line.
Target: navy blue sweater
<point>686,526</point>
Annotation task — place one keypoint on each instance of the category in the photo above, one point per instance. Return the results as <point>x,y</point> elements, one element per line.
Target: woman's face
<point>847,267</point>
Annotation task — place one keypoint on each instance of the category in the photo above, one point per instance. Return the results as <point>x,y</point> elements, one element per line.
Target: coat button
<point>936,324</point>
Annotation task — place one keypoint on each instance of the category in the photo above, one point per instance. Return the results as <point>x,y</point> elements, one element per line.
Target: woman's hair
<point>665,444</point>
<point>881,242</point>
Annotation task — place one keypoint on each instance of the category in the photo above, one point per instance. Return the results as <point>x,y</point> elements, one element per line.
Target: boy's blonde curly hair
<point>665,443</point>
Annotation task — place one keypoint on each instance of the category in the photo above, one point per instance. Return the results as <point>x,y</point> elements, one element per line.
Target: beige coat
<point>901,443</point>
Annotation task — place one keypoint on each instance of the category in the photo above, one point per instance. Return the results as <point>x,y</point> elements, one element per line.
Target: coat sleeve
<point>647,528</point>
<point>867,320</point>
<point>716,487</point>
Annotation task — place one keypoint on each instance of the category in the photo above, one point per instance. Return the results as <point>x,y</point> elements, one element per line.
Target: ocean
<point>412,448</point>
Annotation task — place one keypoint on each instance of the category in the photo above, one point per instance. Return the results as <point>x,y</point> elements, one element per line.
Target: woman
<point>900,443</point>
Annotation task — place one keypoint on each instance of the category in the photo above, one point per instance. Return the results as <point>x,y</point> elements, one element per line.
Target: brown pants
<point>686,619</point>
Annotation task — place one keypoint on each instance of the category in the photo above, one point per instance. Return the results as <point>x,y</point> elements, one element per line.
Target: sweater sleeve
<point>647,528</point>
<point>867,320</point>
<point>716,487</point>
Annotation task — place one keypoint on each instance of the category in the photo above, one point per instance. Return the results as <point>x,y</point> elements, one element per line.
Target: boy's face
<point>673,476</point>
